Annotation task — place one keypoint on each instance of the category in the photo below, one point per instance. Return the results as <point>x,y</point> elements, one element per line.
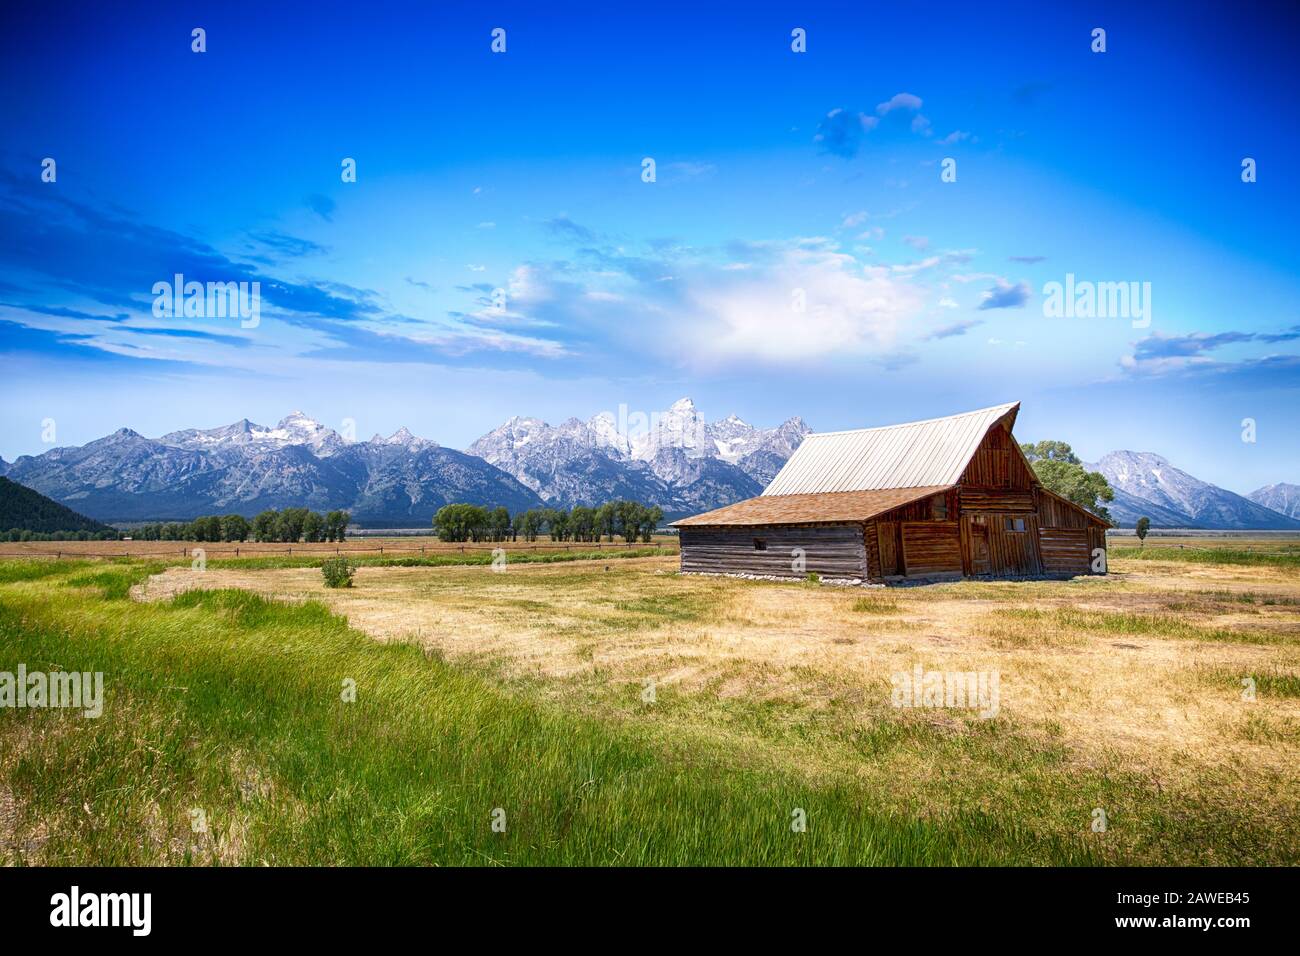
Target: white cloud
<point>848,309</point>
<point>899,101</point>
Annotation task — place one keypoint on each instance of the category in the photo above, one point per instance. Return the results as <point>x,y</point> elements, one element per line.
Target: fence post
<point>236,552</point>
<point>381,549</point>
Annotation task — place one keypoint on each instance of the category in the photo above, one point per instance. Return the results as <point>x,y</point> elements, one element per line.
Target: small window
<point>760,544</point>
<point>939,508</point>
<point>1016,524</point>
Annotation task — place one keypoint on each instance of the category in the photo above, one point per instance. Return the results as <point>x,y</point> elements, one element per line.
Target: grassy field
<point>614,711</point>
<point>403,545</point>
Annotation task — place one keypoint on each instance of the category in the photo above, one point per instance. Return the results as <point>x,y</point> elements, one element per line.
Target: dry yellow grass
<point>1115,669</point>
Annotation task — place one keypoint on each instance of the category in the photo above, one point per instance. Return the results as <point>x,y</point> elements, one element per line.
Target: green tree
<point>211,527</point>
<point>234,528</point>
<point>336,525</point>
<point>289,524</point>
<point>500,523</point>
<point>1143,526</point>
<point>650,518</point>
<point>628,517</point>
<point>532,524</point>
<point>264,525</point>
<point>1070,480</point>
<point>582,523</point>
<point>1049,451</point>
<point>461,522</point>
<point>603,522</point>
<point>313,527</point>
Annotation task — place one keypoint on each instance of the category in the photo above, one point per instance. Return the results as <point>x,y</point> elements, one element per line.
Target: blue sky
<point>775,172</point>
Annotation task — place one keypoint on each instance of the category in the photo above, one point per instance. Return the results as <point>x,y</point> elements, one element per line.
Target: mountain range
<point>675,459</point>
<point>1145,484</point>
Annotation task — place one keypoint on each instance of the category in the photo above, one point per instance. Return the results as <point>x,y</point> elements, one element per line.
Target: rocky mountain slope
<point>675,459</point>
<point>1147,484</point>
<point>1282,498</point>
<point>246,467</point>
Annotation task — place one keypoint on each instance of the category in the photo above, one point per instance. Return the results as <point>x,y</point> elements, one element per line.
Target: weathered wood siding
<point>872,538</point>
<point>998,463</point>
<point>1014,553</point>
<point>975,557</point>
<point>835,551</point>
<point>1054,513</point>
<point>887,537</point>
<point>1068,535</point>
<point>1065,550</point>
<point>931,547</point>
<point>994,499</point>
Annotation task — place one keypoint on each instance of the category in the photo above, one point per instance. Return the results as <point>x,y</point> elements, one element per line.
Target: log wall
<point>833,551</point>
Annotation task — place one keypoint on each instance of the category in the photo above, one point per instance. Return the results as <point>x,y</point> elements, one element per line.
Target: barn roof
<point>837,506</point>
<point>926,454</point>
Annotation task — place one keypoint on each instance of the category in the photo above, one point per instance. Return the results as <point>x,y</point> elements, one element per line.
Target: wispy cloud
<point>957,328</point>
<point>1004,295</point>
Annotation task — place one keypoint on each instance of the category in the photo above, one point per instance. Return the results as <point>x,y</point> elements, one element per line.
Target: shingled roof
<point>831,507</point>
<point>856,475</point>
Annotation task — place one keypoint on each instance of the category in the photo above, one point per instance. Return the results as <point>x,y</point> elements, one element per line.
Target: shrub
<point>338,572</point>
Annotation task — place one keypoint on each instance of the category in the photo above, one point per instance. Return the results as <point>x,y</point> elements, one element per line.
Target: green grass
<point>1271,682</point>
<point>227,703</point>
<point>223,702</point>
<point>1285,558</point>
<point>876,605</point>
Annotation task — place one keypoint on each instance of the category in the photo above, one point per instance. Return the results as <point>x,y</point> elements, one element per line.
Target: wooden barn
<point>948,497</point>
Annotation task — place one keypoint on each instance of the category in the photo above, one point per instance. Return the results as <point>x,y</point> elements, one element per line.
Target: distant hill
<point>28,510</point>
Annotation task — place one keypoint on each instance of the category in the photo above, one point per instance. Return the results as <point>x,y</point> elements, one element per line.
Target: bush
<point>338,572</point>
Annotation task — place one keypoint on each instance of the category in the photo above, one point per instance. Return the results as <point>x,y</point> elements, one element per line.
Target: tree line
<point>289,525</point>
<point>629,520</point>
<point>26,534</point>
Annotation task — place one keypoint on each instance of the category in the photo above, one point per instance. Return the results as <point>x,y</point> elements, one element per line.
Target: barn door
<point>1013,544</point>
<point>887,537</point>
<point>979,547</point>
